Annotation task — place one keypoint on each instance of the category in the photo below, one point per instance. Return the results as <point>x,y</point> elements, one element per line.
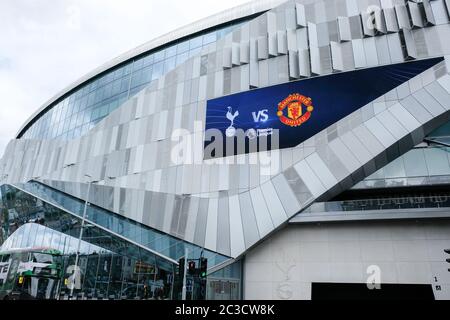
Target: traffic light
<point>203,267</point>
<point>191,267</point>
<point>447,251</point>
<point>181,268</point>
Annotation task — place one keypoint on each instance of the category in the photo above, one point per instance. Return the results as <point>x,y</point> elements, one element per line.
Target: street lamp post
<point>83,220</point>
<point>184,289</point>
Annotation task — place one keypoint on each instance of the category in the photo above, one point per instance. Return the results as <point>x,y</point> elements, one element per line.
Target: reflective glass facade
<point>140,234</point>
<point>111,267</point>
<point>424,165</point>
<point>84,107</point>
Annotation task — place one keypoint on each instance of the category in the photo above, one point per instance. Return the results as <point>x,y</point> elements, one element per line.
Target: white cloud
<point>46,45</point>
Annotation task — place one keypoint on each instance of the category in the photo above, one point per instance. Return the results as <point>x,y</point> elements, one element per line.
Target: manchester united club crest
<point>295,110</point>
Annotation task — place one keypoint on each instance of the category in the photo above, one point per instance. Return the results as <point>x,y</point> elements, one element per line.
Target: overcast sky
<point>47,44</point>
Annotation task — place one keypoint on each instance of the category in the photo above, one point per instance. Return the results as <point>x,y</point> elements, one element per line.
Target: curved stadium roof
<point>227,16</point>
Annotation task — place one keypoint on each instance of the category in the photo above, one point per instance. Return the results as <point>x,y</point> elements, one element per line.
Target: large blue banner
<point>302,108</point>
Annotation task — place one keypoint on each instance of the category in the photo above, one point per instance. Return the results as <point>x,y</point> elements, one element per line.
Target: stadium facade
<point>302,147</point>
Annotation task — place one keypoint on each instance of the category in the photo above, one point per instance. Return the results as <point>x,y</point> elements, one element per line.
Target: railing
<point>382,183</point>
<point>412,202</point>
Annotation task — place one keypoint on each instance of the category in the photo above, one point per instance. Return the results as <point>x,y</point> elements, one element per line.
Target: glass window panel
<point>159,56</point>
<point>379,174</point>
<point>195,42</point>
<point>125,83</point>
<point>137,64</point>
<point>71,98</point>
<point>73,121</point>
<point>395,169</point>
<point>195,52</point>
<point>146,75</point>
<point>128,68</point>
<point>80,118</point>
<point>171,51</point>
<point>104,110</point>
<point>76,106</point>
<point>443,131</point>
<point>158,70</point>
<point>91,98</point>
<point>83,103</point>
<point>437,161</point>
<point>109,77</point>
<point>182,47</point>
<point>148,60</point>
<point>107,91</point>
<point>77,132</point>
<point>118,73</point>
<point>95,114</point>
<point>209,38</point>
<point>113,106</point>
<point>94,85</point>
<point>169,64</point>
<point>98,95</point>
<point>59,129</point>
<point>415,165</point>
<point>115,89</point>
<point>181,58</point>
<point>85,128</point>
<point>136,79</point>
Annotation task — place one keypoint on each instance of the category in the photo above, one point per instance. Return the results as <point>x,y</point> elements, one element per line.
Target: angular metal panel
<point>380,22</point>
<point>368,24</point>
<point>344,31</point>
<point>273,203</point>
<point>281,42</point>
<point>428,102</point>
<point>251,232</point>
<point>408,44</point>
<point>301,15</point>
<point>321,62</point>
<point>358,53</point>
<point>200,226</point>
<point>286,195</point>
<point>298,186</point>
<point>235,54</point>
<point>237,242</point>
<point>273,45</point>
<point>223,225</point>
<point>404,117</point>
<point>402,16</point>
<point>344,155</point>
<point>380,132</point>
<point>294,71</point>
<point>304,63</point>
<point>391,20</point>
<point>321,171</point>
<point>358,149</point>
<point>211,224</point>
<point>262,215</point>
<point>429,15</point>
<point>244,53</point>
<point>391,124</point>
<point>291,38</point>
<point>227,58</point>
<point>416,14</point>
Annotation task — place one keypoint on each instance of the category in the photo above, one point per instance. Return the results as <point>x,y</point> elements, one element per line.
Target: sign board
<point>296,111</point>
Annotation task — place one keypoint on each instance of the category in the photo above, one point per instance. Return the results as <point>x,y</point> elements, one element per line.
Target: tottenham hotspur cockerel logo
<point>231,130</point>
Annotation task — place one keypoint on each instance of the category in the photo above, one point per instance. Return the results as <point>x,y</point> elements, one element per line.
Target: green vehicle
<point>30,274</point>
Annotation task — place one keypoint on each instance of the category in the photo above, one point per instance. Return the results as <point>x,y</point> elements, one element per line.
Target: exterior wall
<point>129,151</point>
<point>407,252</point>
<point>230,208</point>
